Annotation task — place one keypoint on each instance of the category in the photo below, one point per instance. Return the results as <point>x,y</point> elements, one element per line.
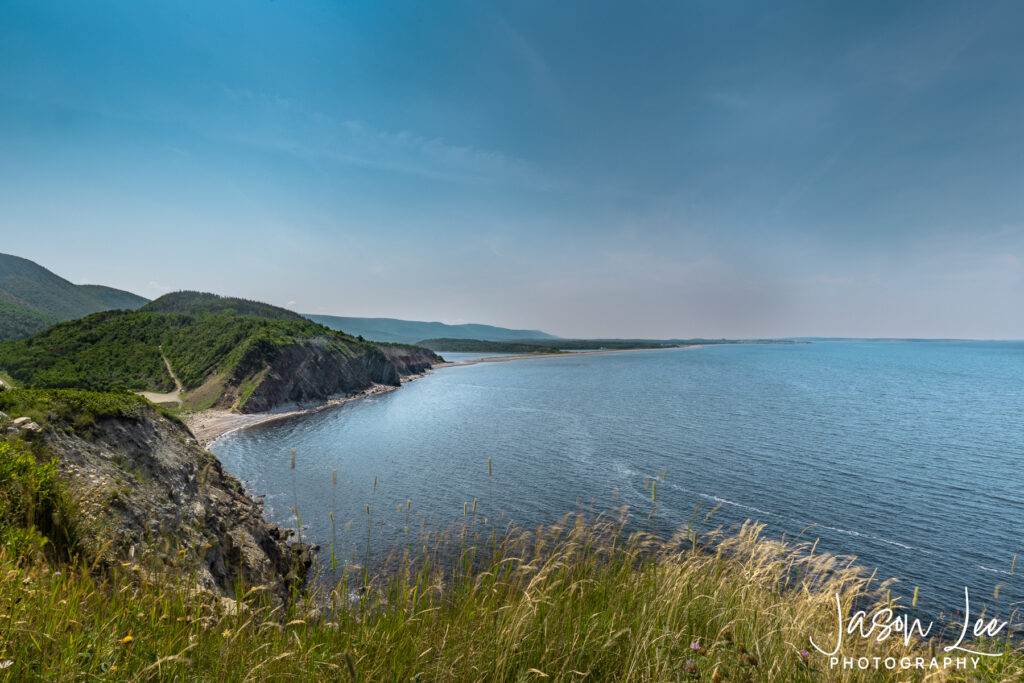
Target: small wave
<point>850,532</point>
<point>725,501</point>
<point>990,569</point>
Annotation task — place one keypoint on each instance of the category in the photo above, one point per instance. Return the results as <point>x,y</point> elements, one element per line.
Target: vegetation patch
<point>76,408</point>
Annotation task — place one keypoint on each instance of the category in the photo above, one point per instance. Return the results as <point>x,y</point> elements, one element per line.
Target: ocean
<point>906,455</point>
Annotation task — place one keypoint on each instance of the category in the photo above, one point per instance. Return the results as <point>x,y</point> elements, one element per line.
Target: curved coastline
<point>210,425</point>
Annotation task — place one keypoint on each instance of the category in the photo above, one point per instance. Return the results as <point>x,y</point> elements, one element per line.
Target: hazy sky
<point>656,169</point>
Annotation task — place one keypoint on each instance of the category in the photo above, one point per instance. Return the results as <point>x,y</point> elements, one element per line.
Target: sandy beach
<point>210,425</point>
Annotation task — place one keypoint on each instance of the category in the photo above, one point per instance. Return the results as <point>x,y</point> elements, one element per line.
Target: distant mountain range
<point>411,331</point>
<point>32,298</point>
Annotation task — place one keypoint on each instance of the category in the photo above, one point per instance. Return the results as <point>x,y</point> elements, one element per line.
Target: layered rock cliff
<point>410,360</point>
<point>152,498</point>
<point>315,370</point>
<point>305,373</point>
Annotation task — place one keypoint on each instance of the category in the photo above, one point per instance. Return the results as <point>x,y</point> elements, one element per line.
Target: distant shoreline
<point>212,424</point>
<point>503,359</point>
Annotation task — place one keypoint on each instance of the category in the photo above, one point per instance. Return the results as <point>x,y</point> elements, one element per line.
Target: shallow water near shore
<point>907,455</point>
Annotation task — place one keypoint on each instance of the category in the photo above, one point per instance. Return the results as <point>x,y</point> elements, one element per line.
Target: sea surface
<point>907,455</point>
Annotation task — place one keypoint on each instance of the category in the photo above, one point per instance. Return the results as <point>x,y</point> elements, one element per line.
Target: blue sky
<point>657,169</point>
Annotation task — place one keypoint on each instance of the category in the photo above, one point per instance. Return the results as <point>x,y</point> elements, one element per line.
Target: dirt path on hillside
<point>170,396</point>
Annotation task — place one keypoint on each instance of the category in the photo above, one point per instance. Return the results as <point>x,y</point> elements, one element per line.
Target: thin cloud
<point>317,135</point>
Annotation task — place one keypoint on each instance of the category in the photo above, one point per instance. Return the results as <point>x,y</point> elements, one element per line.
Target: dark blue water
<point>906,455</point>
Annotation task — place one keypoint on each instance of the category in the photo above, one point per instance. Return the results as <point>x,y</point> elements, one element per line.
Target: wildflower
<point>805,654</point>
<point>127,639</point>
<point>226,633</point>
<point>56,573</point>
<point>6,663</point>
<point>690,666</point>
<point>695,646</point>
<point>113,667</point>
<point>181,553</point>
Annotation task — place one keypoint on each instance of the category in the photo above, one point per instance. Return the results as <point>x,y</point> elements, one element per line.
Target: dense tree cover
<point>104,351</point>
<point>18,323</point>
<point>118,350</point>
<point>203,303</point>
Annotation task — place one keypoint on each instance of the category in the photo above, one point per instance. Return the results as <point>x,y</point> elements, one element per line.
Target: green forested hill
<point>32,298</point>
<point>122,350</point>
<point>203,303</point>
<point>241,362</point>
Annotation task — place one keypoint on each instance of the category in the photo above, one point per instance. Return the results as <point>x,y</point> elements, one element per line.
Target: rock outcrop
<point>311,372</point>
<point>410,360</point>
<point>315,370</point>
<point>151,497</point>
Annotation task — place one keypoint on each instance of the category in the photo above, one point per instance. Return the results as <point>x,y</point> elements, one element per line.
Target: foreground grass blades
<point>577,601</point>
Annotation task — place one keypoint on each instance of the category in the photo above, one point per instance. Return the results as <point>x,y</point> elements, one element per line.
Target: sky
<point>588,168</point>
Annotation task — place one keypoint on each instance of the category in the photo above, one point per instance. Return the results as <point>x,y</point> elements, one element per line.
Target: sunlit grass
<point>580,600</point>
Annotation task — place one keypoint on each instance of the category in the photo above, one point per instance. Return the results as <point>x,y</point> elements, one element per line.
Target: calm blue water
<point>907,455</point>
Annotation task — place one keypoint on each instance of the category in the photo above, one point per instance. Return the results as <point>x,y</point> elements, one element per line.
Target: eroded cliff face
<point>315,370</point>
<point>311,372</point>
<point>152,498</point>
<point>410,360</point>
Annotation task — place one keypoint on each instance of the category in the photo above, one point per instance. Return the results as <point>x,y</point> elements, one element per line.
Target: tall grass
<point>583,599</point>
<point>579,600</point>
